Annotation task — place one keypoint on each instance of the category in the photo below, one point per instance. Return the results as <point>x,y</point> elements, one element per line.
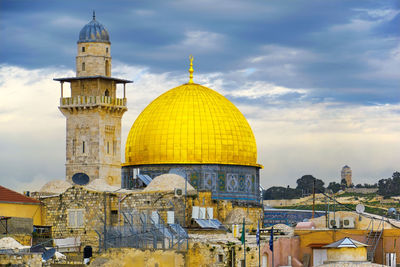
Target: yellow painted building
<point>13,204</point>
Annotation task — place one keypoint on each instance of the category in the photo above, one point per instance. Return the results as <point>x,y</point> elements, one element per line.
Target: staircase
<point>373,238</point>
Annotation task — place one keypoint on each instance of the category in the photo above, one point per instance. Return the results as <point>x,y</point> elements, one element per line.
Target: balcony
<point>92,101</point>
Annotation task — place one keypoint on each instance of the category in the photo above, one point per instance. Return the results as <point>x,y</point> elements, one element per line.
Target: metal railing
<point>145,232</point>
<point>373,238</point>
<point>92,100</point>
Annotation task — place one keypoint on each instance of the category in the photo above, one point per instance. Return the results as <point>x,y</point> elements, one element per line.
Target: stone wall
<point>200,254</point>
<point>95,57</point>
<point>361,190</point>
<point>22,260</point>
<point>94,144</point>
<point>136,257</point>
<point>99,205</point>
<point>205,254</point>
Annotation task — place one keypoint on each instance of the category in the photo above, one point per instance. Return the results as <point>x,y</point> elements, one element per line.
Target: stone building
<point>346,175</point>
<point>195,132</point>
<point>93,111</point>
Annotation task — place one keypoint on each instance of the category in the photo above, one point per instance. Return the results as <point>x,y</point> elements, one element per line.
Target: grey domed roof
<point>94,32</point>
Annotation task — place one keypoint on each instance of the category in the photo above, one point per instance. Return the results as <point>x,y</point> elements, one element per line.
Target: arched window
<point>107,93</point>
<point>83,66</point>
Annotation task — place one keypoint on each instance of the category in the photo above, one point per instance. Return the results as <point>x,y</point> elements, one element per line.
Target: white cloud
<point>199,41</point>
<point>366,20</point>
<point>257,89</point>
<point>68,22</point>
<point>386,65</point>
<point>319,139</point>
<point>278,53</point>
<point>293,138</point>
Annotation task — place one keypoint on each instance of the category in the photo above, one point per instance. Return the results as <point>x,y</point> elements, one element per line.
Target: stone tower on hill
<point>346,175</point>
<point>93,111</point>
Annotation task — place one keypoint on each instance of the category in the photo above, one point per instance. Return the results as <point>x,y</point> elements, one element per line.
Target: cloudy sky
<point>318,81</point>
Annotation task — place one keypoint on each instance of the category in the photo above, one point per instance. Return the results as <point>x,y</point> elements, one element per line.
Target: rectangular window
<point>75,218</point>
<point>83,66</point>
<point>114,217</point>
<point>83,49</point>
<point>73,146</point>
<point>106,49</point>
<point>114,148</point>
<point>83,147</point>
<point>108,147</point>
<point>220,258</point>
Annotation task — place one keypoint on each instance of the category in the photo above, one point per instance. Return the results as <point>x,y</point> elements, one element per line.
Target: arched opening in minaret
<point>107,68</point>
<point>83,66</point>
<point>107,93</point>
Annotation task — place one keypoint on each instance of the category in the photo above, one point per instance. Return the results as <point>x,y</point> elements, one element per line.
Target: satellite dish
<point>48,254</point>
<point>392,211</point>
<point>80,178</point>
<point>360,208</point>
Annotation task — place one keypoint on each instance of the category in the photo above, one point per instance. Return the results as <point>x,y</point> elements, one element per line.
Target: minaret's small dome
<point>94,32</point>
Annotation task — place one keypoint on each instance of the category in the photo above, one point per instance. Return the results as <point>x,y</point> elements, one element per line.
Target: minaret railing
<point>92,100</point>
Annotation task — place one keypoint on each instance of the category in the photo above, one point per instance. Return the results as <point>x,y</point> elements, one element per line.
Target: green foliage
<point>306,184</point>
<point>365,185</point>
<point>335,187</point>
<point>390,186</point>
<point>279,192</point>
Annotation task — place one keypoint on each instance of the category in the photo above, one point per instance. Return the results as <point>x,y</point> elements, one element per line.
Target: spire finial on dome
<point>191,69</point>
<point>94,15</point>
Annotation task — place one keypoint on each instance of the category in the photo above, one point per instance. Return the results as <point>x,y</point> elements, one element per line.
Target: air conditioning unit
<point>334,223</point>
<point>348,222</point>
<point>178,192</point>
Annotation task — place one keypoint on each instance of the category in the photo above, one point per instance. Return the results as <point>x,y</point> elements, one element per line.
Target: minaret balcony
<point>92,101</point>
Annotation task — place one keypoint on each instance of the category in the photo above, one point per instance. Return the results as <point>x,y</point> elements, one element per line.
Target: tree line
<point>386,187</point>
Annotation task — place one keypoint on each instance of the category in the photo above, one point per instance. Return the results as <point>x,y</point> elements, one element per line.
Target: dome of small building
<point>191,124</point>
<point>169,182</point>
<point>55,186</point>
<point>94,31</point>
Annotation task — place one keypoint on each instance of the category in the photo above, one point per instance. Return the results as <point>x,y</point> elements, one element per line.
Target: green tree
<point>306,182</point>
<point>279,192</point>
<point>390,186</point>
<point>335,187</point>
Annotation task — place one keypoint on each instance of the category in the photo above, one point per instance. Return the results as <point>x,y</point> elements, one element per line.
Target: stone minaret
<point>93,111</point>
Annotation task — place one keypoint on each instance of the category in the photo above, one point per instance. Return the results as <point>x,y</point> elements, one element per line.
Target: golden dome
<point>191,124</point>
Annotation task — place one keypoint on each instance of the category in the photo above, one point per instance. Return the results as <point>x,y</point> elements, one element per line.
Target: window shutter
<point>71,218</point>
<point>79,218</point>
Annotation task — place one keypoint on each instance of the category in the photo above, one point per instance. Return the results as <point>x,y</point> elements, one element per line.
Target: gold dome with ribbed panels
<point>191,124</point>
